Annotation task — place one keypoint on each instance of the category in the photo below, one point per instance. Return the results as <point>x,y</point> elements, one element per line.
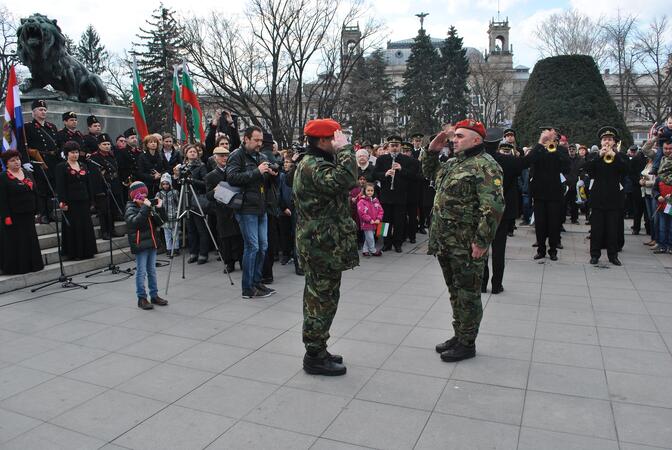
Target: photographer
<point>223,124</point>
<point>248,169</point>
<point>142,238</point>
<point>193,171</point>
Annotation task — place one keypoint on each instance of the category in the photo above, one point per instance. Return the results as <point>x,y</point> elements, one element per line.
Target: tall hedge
<point>568,92</point>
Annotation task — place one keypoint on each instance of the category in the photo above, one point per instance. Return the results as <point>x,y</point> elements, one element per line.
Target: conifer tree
<point>419,100</point>
<point>159,49</point>
<point>91,52</point>
<point>452,84</point>
<point>369,98</point>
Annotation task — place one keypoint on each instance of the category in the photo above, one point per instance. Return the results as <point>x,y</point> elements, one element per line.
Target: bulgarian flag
<point>178,108</point>
<point>189,98</point>
<point>138,109</point>
<point>383,229</point>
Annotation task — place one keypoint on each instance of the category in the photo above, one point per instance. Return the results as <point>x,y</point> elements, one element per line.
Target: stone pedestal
<point>114,119</point>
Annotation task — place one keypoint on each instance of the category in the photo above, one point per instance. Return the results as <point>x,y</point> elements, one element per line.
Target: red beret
<point>471,124</point>
<point>321,128</point>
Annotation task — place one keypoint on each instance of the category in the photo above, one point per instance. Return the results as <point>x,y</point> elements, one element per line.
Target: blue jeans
<point>664,230</point>
<point>651,205</point>
<point>254,229</point>
<point>145,263</point>
<point>168,234</point>
<point>527,207</point>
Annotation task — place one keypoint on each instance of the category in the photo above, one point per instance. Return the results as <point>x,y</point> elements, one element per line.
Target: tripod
<point>66,282</point>
<point>184,212</point>
<point>112,268</point>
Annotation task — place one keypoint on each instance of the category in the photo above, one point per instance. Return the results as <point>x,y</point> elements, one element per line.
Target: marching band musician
<point>606,196</point>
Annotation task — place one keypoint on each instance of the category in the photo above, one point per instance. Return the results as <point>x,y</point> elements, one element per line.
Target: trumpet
<point>551,147</point>
<point>610,156</point>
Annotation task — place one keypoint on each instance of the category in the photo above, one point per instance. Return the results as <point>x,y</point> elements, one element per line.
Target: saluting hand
<point>439,142</point>
<point>339,141</point>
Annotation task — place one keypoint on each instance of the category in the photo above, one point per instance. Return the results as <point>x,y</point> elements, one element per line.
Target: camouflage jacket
<point>469,200</point>
<point>326,235</point>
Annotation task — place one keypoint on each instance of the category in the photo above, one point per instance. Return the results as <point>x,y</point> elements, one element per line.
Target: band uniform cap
<point>38,103</point>
<point>68,115</point>
<point>417,135</point>
<point>608,131</point>
<point>473,125</point>
<point>406,147</point>
<point>510,131</point>
<point>394,139</point>
<point>130,132</point>
<point>220,151</point>
<point>104,137</point>
<point>550,127</point>
<point>91,120</point>
<point>321,128</point>
<point>506,145</point>
<point>493,135</point>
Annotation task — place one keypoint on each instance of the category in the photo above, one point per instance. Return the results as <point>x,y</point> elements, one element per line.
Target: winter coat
<point>169,200</point>
<point>141,228</point>
<point>242,171</point>
<point>605,192</point>
<point>369,209</point>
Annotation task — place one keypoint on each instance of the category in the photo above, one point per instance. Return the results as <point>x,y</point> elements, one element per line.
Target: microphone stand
<point>112,268</point>
<point>66,282</point>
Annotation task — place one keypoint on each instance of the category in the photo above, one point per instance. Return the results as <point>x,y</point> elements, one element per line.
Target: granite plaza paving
<point>570,356</point>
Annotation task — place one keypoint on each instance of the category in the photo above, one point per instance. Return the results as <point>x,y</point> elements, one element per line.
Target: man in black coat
<point>575,165</point>
<point>69,131</point>
<point>549,162</point>
<point>413,192</point>
<point>91,138</point>
<point>106,173</point>
<point>606,197</point>
<point>230,240</point>
<point>393,170</point>
<point>512,166</point>
<point>636,163</point>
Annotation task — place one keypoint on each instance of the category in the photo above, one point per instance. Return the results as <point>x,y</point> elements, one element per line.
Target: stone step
<point>51,227</point>
<point>49,240</point>
<point>52,271</point>
<point>50,255</point>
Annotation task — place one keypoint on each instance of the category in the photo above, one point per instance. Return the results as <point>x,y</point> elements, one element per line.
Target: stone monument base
<point>114,119</point>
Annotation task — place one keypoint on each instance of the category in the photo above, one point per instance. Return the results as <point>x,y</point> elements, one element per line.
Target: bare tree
<point>7,47</point>
<point>572,33</point>
<point>117,78</point>
<point>261,70</point>
<point>653,82</point>
<point>489,84</point>
<point>619,38</point>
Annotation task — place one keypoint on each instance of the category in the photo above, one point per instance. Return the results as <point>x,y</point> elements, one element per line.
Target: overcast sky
<point>118,21</point>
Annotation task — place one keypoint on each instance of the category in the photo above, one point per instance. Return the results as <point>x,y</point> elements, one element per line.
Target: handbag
<point>229,195</point>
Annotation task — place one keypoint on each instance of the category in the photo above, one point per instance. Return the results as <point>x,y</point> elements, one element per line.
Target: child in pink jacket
<point>370,214</point>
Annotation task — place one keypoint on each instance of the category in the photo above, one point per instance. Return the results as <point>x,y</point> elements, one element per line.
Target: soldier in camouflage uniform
<point>467,209</point>
<point>326,236</point>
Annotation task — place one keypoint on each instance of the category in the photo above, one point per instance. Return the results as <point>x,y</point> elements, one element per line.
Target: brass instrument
<point>611,156</point>
<point>551,147</point>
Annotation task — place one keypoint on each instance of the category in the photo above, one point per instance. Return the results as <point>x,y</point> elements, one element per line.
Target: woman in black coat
<point>151,164</point>
<point>197,233</point>
<point>19,247</point>
<point>73,186</point>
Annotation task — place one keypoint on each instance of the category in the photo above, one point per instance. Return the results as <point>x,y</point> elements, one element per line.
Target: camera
<point>185,172</point>
<point>274,166</point>
<point>154,201</point>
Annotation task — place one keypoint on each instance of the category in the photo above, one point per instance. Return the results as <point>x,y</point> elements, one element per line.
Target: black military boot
<point>316,365</point>
<point>450,343</point>
<point>458,352</point>
<point>335,358</point>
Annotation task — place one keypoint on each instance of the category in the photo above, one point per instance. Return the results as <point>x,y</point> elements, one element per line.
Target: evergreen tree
<point>160,48</point>
<point>452,84</point>
<point>369,97</point>
<point>70,45</point>
<point>419,100</point>
<point>568,92</point>
<point>91,52</point>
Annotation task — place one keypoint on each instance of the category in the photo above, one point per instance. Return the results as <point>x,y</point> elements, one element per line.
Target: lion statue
<point>41,47</point>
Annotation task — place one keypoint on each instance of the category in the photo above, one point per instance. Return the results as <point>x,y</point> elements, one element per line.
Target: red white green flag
<point>138,109</point>
<point>178,108</point>
<point>189,98</point>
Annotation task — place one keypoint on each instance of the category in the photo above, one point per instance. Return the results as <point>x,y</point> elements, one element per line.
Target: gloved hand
<point>28,167</point>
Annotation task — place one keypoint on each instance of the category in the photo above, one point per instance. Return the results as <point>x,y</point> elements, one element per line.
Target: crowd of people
<point>324,202</point>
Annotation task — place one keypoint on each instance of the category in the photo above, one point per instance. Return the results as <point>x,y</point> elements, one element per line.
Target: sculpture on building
<point>41,47</point>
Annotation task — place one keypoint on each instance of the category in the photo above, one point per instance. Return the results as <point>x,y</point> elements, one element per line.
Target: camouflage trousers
<point>320,301</point>
<point>463,276</point>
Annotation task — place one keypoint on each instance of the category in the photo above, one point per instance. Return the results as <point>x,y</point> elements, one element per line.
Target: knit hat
<point>136,188</point>
<point>165,178</point>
